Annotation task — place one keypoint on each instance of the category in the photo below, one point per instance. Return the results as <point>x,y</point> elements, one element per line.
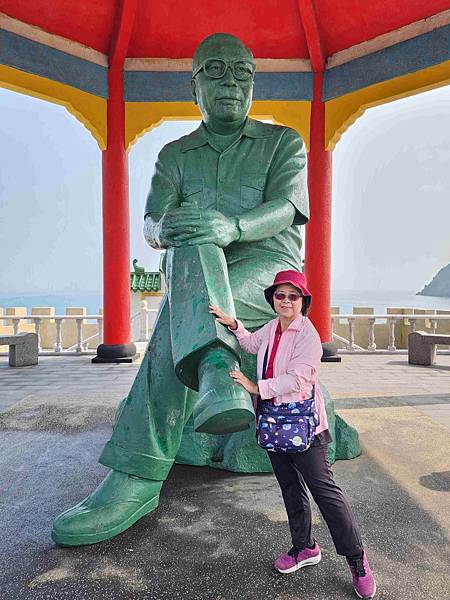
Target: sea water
<point>379,300</point>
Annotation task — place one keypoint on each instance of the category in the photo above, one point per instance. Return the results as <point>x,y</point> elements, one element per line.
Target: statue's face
<point>222,81</point>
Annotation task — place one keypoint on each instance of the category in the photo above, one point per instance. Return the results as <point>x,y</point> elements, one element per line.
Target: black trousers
<point>298,471</point>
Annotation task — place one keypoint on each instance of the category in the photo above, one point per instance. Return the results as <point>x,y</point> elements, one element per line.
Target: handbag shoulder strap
<point>265,362</point>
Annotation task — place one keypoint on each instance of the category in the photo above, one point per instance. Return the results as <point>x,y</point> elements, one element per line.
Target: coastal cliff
<point>439,285</point>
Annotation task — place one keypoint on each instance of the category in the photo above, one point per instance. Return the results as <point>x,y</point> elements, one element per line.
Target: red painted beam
<point>311,29</point>
<point>121,35</point>
<point>318,230</point>
<point>116,217</point>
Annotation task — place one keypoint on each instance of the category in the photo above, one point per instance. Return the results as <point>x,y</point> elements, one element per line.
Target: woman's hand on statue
<point>248,385</point>
<point>222,317</point>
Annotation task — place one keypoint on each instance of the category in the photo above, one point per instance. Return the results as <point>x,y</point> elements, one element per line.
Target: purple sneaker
<point>294,560</point>
<point>363,579</point>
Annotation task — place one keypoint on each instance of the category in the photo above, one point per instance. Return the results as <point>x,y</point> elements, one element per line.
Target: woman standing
<point>289,354</point>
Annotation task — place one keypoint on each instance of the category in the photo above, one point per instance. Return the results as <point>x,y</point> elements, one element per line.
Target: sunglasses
<point>291,297</point>
<point>215,68</point>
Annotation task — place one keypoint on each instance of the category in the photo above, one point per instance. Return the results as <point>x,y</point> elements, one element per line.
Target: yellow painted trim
<point>342,112</point>
<point>90,110</point>
<point>291,113</point>
<point>141,117</point>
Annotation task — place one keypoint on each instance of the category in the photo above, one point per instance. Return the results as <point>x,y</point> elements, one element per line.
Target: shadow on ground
<point>213,537</point>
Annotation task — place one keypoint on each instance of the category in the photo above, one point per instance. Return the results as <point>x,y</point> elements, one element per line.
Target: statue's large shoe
<point>224,406</point>
<point>118,502</point>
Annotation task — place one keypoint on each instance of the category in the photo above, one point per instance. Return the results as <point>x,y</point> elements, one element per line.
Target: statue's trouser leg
<point>204,351</point>
<point>197,276</point>
<point>150,420</point>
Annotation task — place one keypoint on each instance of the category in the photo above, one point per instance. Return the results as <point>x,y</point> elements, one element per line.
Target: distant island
<point>440,284</point>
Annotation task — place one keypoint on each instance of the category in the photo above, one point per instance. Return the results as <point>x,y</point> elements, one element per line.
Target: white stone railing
<point>407,320</point>
<point>80,347</point>
<point>141,323</point>
<point>346,328</point>
<point>57,342</point>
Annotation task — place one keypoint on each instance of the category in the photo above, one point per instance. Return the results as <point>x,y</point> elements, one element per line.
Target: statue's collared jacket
<point>268,162</point>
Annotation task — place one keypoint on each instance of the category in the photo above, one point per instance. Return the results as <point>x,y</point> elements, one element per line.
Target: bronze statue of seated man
<point>227,202</point>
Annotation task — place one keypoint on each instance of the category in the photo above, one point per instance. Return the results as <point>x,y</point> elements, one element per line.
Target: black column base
<point>330,352</point>
<point>115,353</point>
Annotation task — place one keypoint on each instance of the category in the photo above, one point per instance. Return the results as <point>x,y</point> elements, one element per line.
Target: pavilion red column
<point>318,230</point>
<point>117,344</point>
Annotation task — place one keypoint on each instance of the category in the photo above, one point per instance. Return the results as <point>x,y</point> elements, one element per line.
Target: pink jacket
<point>296,363</point>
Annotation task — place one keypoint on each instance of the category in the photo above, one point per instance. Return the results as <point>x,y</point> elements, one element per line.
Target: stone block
<point>23,349</point>
<point>422,347</point>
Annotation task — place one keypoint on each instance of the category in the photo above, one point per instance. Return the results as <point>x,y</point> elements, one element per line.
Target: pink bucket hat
<point>295,278</point>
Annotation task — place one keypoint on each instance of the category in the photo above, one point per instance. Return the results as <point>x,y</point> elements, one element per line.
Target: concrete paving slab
<point>10,397</point>
<point>410,446</point>
<point>213,537</point>
<point>61,411</point>
<point>216,533</point>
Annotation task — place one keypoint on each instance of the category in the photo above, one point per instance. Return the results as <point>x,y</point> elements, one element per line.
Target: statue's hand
<point>210,227</point>
<point>160,230</point>
<point>179,221</point>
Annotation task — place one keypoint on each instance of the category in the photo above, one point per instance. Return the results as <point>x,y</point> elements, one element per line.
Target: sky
<point>391,196</point>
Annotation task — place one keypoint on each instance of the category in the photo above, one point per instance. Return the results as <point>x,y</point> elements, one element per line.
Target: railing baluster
<point>433,325</point>
<point>58,345</point>
<point>413,325</point>
<point>100,330</point>
<point>351,334</point>
<point>143,334</point>
<point>391,343</point>
<point>37,329</point>
<point>79,347</point>
<point>16,325</point>
<point>372,345</point>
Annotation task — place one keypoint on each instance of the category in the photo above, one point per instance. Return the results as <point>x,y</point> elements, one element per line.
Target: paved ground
<point>215,533</point>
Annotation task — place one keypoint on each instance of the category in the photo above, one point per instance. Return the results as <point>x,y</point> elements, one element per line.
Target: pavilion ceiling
<point>271,28</point>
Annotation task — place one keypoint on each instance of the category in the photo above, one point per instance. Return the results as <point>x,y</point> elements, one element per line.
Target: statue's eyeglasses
<point>215,68</point>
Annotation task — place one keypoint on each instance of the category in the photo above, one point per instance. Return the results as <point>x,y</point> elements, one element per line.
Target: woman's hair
<point>306,305</point>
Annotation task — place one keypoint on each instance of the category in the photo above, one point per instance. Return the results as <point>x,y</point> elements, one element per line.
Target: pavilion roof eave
<point>393,64</point>
<point>264,64</point>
